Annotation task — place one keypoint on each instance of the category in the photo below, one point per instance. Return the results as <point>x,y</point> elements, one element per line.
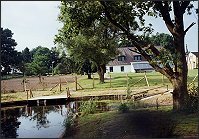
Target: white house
<point>192,60</point>
<point>128,61</point>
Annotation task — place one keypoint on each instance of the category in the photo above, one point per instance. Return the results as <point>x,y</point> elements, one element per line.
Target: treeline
<point>38,61</point>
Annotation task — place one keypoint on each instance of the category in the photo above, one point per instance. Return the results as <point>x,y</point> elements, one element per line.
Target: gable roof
<point>123,51</point>
<point>129,56</point>
<point>195,53</point>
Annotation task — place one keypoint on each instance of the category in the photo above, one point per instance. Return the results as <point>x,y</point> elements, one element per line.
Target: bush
<point>88,107</point>
<point>69,121</point>
<point>193,101</point>
<point>123,108</point>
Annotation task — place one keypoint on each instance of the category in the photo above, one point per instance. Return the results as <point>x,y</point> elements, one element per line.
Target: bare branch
<point>189,27</point>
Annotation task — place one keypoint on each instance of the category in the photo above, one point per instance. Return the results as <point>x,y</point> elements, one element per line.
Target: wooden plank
<point>53,87</point>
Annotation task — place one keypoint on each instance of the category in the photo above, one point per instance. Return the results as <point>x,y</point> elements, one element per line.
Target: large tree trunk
<point>180,95</point>
<point>101,71</point>
<point>178,77</point>
<point>180,92</point>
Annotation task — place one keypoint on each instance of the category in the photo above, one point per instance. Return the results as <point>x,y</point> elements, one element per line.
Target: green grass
<point>119,80</point>
<point>145,122</point>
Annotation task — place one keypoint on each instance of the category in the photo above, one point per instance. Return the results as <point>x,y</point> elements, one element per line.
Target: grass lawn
<point>119,80</point>
<point>118,85</point>
<point>137,123</point>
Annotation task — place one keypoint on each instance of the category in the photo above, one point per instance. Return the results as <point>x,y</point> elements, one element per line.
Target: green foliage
<point>26,55</point>
<point>41,62</point>
<point>9,56</point>
<point>69,121</point>
<point>123,107</point>
<point>88,107</point>
<point>86,40</point>
<point>193,101</point>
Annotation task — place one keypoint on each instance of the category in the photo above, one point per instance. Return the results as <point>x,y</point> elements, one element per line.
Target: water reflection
<point>38,121</point>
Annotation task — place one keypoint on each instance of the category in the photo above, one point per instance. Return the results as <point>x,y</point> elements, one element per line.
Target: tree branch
<point>154,50</point>
<point>137,43</point>
<point>134,51</point>
<point>189,27</point>
<point>165,14</point>
<point>184,6</point>
<point>111,19</point>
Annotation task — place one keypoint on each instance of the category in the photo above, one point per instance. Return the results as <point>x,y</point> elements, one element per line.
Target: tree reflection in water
<point>15,121</point>
<point>9,123</point>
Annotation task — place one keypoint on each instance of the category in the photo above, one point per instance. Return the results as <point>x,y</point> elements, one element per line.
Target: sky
<point>34,23</point>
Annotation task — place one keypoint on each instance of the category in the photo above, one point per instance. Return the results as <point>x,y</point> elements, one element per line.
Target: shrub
<point>193,101</point>
<point>123,108</point>
<point>69,121</point>
<point>88,107</point>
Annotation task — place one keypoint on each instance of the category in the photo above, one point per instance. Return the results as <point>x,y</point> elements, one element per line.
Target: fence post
<point>93,82</point>
<point>110,82</point>
<point>162,79</point>
<point>68,92</point>
<point>76,83</point>
<point>146,79</point>
<point>127,81</point>
<point>27,94</point>
<point>157,105</point>
<point>59,84</point>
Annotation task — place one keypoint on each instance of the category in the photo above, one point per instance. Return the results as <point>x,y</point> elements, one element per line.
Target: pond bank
<point>137,123</point>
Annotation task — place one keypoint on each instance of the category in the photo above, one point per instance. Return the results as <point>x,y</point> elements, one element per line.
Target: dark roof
<point>195,53</point>
<point>129,56</point>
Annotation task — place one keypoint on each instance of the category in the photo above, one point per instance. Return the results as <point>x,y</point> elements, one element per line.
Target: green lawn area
<point>119,80</point>
<point>137,123</point>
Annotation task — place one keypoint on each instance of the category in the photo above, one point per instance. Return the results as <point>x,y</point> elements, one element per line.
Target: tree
<point>41,62</point>
<point>161,39</point>
<point>93,42</point>
<point>26,55</point>
<point>128,17</point>
<point>8,53</point>
<point>178,76</point>
<point>66,65</point>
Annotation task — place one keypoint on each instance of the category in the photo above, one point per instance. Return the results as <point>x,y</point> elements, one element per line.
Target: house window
<point>121,58</point>
<point>122,68</point>
<point>138,58</point>
<point>111,69</point>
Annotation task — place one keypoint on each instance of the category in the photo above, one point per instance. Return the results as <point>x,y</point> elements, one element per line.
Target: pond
<point>38,121</point>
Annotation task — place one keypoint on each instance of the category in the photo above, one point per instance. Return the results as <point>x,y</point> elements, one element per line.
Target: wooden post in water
<point>75,83</point>
<point>146,78</point>
<point>93,82</point>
